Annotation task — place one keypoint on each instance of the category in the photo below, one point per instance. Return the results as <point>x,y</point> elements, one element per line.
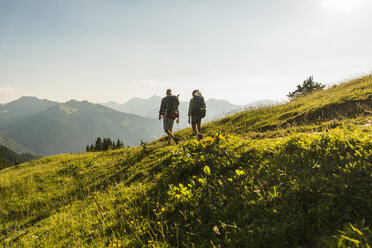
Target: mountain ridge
<point>149,107</point>
<point>70,126</point>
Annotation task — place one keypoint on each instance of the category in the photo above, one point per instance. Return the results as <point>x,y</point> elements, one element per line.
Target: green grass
<point>292,175</point>
<point>312,113</point>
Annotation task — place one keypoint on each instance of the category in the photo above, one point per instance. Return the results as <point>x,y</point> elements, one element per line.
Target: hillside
<point>69,127</point>
<point>10,158</point>
<point>291,175</point>
<point>13,145</point>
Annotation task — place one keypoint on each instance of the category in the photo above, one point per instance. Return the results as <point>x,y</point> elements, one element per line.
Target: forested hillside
<point>10,158</point>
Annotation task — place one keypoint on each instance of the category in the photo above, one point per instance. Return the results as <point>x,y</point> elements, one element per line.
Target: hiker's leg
<point>194,128</point>
<point>170,134</point>
<point>193,124</point>
<point>198,125</point>
<point>170,128</point>
<point>200,136</point>
<point>166,128</point>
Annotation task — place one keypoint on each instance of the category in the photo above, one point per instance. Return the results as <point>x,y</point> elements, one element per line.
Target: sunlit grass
<point>257,179</point>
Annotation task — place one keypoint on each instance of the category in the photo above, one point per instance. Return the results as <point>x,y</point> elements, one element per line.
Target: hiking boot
<point>177,140</point>
<point>200,136</point>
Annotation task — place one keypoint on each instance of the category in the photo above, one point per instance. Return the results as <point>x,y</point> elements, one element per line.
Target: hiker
<point>197,111</point>
<point>169,112</point>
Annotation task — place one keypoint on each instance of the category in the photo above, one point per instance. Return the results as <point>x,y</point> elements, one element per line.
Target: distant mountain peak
<point>28,97</point>
<point>154,97</point>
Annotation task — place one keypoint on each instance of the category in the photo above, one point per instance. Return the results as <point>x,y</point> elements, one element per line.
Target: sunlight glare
<point>340,6</point>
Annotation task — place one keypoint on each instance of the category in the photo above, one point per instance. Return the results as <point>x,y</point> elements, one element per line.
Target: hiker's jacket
<point>164,105</point>
<point>195,104</point>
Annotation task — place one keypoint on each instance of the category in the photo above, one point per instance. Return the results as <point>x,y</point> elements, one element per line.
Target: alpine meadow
<point>297,174</point>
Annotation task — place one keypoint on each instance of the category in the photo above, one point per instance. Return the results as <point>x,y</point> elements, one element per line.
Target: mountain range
<point>44,127</point>
<point>216,108</point>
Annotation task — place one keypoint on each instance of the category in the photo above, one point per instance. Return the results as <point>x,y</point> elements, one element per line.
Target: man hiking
<point>197,111</point>
<point>169,112</point>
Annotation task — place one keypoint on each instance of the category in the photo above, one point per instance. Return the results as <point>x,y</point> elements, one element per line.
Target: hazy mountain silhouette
<point>139,106</point>
<point>23,107</point>
<point>150,108</point>
<point>70,126</point>
<point>13,145</point>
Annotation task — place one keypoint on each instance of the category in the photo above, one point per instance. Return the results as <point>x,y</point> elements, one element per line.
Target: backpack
<point>172,107</point>
<point>199,106</point>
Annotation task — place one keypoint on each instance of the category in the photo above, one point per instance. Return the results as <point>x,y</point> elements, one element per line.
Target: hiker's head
<point>194,92</point>
<point>169,92</point>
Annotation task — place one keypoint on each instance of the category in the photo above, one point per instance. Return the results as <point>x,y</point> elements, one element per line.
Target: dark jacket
<point>166,102</point>
<point>195,104</point>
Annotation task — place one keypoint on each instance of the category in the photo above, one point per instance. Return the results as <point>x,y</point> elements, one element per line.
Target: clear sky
<point>241,51</point>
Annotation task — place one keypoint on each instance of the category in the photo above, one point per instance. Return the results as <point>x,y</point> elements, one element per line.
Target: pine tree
<point>119,144</point>
<point>307,87</point>
<point>87,149</point>
<point>99,146</point>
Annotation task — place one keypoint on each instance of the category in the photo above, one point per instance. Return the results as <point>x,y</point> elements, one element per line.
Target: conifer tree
<point>119,144</point>
<point>307,87</point>
<point>99,146</point>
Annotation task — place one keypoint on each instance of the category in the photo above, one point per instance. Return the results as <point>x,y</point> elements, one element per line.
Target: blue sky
<point>240,51</point>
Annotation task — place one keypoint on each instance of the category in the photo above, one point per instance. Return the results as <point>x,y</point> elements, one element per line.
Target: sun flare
<point>341,6</point>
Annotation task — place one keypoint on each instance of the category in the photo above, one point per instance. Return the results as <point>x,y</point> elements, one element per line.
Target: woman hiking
<point>197,111</point>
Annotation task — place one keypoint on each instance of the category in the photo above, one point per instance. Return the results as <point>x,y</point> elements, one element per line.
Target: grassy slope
<point>281,180</point>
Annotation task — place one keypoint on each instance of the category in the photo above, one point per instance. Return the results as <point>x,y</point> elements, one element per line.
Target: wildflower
<point>163,209</point>
<point>150,241</point>
<point>178,196</point>
<point>131,222</point>
<point>154,210</point>
<point>159,223</point>
<point>216,230</point>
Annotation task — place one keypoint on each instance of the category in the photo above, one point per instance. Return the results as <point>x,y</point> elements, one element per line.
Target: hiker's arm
<point>190,110</point>
<point>190,107</point>
<point>162,108</point>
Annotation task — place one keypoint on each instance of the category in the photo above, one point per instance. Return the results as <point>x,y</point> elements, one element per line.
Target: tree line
<point>11,158</point>
<point>104,144</point>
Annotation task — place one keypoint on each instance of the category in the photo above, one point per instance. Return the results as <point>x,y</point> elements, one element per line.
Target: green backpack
<point>199,107</point>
